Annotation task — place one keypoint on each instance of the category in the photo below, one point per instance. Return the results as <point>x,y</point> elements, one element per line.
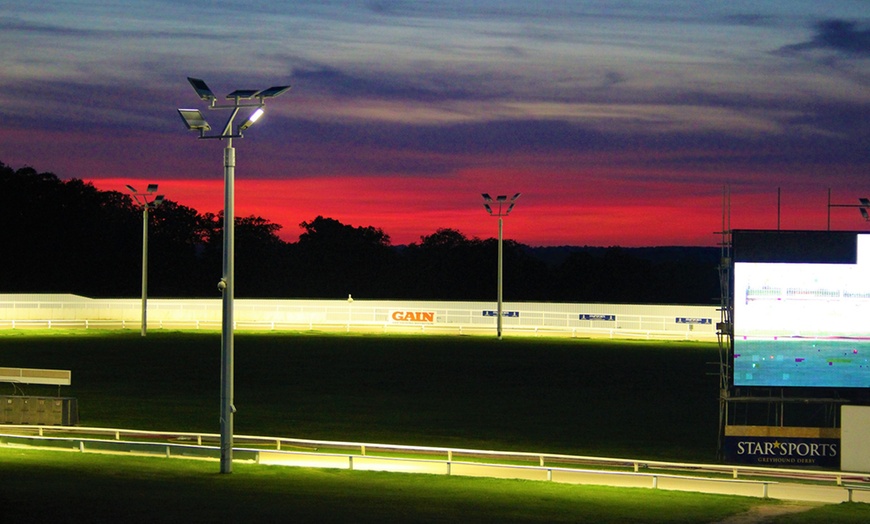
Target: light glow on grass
<point>133,489</point>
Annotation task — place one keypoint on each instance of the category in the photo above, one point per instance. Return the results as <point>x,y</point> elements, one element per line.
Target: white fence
<point>817,486</point>
<point>519,318</point>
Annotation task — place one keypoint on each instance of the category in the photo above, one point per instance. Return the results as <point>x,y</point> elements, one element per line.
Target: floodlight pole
<point>144,327</point>
<point>500,276</point>
<point>229,280</point>
<point>146,201</point>
<point>501,213</point>
<point>195,122</point>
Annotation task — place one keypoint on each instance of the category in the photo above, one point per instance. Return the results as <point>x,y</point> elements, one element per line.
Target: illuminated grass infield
<point>53,486</point>
<point>43,486</point>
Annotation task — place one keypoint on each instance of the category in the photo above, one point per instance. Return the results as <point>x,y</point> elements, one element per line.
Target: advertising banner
<point>493,313</point>
<point>783,451</point>
<point>398,315</point>
<point>607,318</point>
<point>686,320</point>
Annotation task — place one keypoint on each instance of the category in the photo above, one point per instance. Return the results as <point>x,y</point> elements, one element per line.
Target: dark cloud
<point>18,25</point>
<point>613,78</point>
<point>47,30</point>
<point>824,134</point>
<point>337,82</point>
<point>843,36</point>
<point>470,139</point>
<point>384,7</point>
<point>388,87</point>
<point>750,20</point>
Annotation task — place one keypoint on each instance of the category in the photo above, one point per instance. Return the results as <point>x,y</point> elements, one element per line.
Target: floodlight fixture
<point>500,199</point>
<point>863,205</point>
<point>272,92</point>
<point>513,203</point>
<point>202,89</point>
<point>146,199</point>
<point>242,94</point>
<point>194,120</point>
<point>251,119</point>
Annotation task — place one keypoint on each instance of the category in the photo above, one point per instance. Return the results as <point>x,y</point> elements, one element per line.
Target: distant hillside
<point>556,255</point>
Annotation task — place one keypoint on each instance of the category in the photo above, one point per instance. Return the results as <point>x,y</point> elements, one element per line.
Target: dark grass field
<point>627,399</point>
<point>619,399</point>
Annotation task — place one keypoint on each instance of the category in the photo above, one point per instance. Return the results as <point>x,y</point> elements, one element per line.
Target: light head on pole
<point>202,89</point>
<point>251,119</point>
<point>272,92</point>
<point>194,120</point>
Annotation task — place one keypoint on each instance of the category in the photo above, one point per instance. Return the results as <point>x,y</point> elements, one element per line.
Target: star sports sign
<point>783,451</point>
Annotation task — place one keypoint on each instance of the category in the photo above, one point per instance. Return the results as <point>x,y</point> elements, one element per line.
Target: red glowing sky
<point>407,209</point>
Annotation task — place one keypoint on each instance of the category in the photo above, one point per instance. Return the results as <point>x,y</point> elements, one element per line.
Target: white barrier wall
<point>854,444</point>
<point>615,320</point>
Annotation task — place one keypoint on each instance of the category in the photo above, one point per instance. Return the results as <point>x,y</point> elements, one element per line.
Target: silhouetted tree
<point>68,237</point>
<point>261,259</point>
<point>578,278</point>
<point>178,265</point>
<point>260,255</point>
<point>447,265</point>
<point>335,260</point>
<point>525,277</point>
<point>65,236</point>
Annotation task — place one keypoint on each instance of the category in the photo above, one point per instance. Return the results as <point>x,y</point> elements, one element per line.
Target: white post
<point>144,268</point>
<point>500,265</point>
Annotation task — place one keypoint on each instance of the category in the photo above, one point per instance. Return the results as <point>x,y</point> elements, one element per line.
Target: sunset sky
<point>620,122</point>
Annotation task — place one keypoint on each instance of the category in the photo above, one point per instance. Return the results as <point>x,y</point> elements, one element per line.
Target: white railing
<point>735,479</point>
<point>384,327</point>
<point>649,322</point>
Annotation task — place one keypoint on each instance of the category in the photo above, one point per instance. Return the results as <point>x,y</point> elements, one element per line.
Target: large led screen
<point>801,309</point>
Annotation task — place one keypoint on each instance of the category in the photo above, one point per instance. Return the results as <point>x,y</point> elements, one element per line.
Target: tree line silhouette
<point>66,236</point>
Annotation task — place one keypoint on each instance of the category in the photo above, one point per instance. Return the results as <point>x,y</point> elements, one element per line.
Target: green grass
<point>42,486</point>
<point>627,399</point>
<point>643,400</point>
<point>844,513</point>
